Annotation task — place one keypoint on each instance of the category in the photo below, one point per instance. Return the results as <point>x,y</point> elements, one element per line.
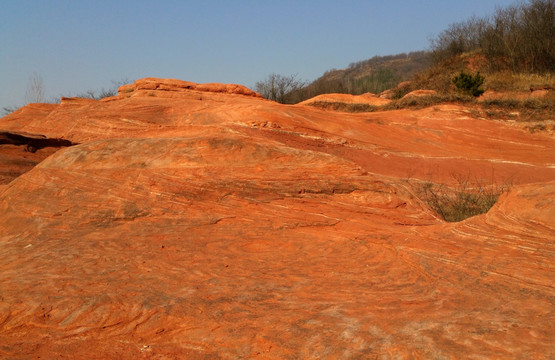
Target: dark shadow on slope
<point>20,152</point>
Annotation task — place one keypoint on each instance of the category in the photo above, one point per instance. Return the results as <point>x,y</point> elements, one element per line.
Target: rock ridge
<point>151,83</point>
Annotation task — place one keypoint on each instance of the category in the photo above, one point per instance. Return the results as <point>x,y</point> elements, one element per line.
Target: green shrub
<point>469,84</point>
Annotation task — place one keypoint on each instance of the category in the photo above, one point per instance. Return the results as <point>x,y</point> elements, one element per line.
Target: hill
<point>183,220</point>
<point>373,75</point>
<point>514,47</point>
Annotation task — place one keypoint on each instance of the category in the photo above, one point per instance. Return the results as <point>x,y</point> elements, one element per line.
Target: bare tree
<point>520,37</point>
<point>35,89</point>
<point>539,34</point>
<point>7,110</point>
<point>508,29</point>
<point>102,93</point>
<point>458,38</point>
<point>279,87</point>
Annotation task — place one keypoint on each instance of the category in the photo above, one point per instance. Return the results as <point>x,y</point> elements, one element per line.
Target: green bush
<point>469,84</point>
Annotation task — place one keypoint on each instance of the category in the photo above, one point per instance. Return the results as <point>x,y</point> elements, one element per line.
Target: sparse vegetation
<point>511,54</point>
<point>35,89</point>
<point>518,38</point>
<point>280,88</point>
<point>103,93</point>
<point>464,200</point>
<point>9,109</point>
<point>373,75</point>
<point>414,102</point>
<point>513,50</point>
<point>345,107</point>
<point>376,82</point>
<point>508,81</point>
<point>35,93</point>
<point>419,102</point>
<point>521,109</point>
<point>537,127</point>
<point>532,109</point>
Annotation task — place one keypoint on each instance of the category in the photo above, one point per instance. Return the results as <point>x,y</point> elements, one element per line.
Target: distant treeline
<point>520,38</point>
<point>373,75</point>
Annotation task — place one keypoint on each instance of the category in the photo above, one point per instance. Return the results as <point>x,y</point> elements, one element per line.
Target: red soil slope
<point>203,222</point>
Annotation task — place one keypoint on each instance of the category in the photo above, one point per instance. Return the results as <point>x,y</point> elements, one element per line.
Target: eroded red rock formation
<point>201,221</point>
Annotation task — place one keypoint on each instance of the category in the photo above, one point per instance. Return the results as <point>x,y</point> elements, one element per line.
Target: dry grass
<point>508,81</point>
<point>524,110</point>
<point>345,107</point>
<point>439,77</point>
<point>413,102</point>
<point>420,102</point>
<point>465,200</point>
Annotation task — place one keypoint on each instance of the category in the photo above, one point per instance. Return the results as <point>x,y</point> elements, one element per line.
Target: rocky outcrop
<point>180,85</point>
<point>210,224</point>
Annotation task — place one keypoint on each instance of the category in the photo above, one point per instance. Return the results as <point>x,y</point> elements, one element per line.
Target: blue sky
<point>77,45</point>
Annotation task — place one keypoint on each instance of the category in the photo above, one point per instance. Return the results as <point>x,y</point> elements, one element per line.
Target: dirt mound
<point>418,93</point>
<point>368,98</point>
<point>202,221</point>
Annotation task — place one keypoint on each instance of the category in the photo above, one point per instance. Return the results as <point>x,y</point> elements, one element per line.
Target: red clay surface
<point>203,222</point>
